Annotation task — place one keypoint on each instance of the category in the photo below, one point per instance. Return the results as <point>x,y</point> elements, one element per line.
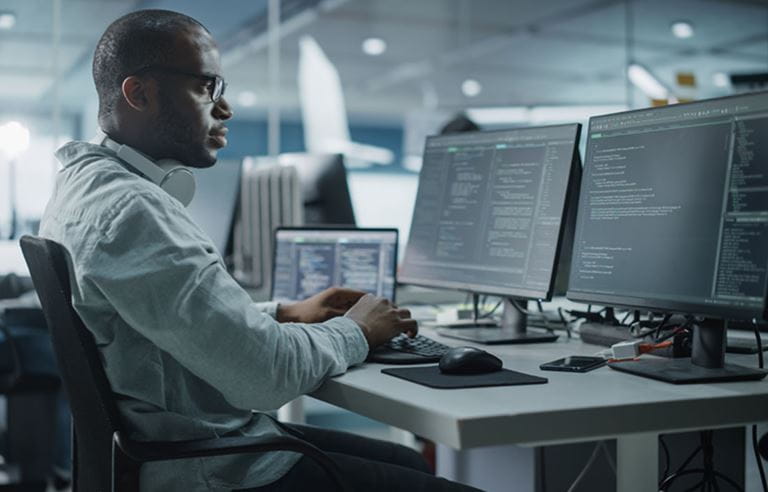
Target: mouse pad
<point>432,377</point>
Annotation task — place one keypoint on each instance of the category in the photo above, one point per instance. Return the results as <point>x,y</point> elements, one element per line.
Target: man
<point>186,351</point>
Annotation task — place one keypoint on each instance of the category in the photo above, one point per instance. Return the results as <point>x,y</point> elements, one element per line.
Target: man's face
<point>189,127</point>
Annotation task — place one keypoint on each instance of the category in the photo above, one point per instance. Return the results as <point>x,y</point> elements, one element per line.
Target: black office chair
<point>104,458</point>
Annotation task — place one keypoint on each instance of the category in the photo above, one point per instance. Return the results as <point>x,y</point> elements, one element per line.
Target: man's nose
<point>222,110</point>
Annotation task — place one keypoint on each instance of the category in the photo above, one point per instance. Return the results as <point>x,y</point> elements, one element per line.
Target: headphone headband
<point>176,179</point>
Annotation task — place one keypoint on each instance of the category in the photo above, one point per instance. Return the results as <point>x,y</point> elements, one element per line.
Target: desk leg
<point>292,412</point>
<point>637,462</point>
<point>403,437</point>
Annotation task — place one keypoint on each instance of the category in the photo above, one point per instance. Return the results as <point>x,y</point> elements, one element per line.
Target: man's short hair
<point>459,124</point>
<point>134,41</point>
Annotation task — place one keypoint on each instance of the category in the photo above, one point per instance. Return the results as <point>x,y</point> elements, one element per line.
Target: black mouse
<point>469,360</point>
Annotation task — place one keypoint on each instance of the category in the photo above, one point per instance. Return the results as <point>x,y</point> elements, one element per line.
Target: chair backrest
<point>94,410</point>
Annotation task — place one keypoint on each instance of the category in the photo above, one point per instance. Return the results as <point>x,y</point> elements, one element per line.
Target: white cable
<point>605,354</point>
<point>586,468</point>
<point>608,456</point>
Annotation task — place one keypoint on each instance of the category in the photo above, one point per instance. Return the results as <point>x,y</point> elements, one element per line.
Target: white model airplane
<point>324,114</point>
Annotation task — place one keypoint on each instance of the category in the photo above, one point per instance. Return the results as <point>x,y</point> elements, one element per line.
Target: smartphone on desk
<point>574,363</point>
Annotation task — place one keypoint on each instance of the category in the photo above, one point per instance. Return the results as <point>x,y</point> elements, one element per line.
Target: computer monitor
<point>490,216</point>
<point>324,189</point>
<point>309,260</point>
<point>213,206</point>
<point>673,217</point>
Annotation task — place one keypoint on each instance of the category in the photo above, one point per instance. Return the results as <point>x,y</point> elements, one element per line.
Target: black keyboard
<point>405,350</point>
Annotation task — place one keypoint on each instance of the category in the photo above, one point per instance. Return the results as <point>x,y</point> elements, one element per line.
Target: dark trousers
<point>366,464</point>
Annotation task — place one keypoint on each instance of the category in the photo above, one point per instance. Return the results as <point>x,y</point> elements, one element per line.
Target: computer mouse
<point>469,360</point>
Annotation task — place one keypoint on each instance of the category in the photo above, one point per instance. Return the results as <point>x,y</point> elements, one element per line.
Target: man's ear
<point>140,94</point>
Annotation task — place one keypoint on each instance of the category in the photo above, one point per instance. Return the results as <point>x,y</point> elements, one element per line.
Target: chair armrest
<point>146,451</point>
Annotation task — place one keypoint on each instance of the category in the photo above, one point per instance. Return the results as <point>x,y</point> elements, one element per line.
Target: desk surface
<point>572,407</point>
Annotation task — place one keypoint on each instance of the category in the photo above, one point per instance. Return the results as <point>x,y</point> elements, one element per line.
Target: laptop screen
<point>308,261</point>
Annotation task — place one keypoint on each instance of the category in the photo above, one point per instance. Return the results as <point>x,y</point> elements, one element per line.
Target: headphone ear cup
<point>178,181</point>
<point>170,175</point>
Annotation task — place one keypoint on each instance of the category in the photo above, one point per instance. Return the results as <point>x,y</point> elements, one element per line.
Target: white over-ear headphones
<point>176,179</point>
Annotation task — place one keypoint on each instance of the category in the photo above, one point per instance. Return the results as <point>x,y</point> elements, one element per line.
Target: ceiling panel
<point>522,51</point>
<point>755,48</point>
<point>714,23</point>
<point>25,86</point>
<point>80,19</point>
<point>25,54</point>
<point>554,54</point>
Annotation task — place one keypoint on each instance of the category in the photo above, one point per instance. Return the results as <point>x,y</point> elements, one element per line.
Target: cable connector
<point>634,348</point>
<point>626,350</point>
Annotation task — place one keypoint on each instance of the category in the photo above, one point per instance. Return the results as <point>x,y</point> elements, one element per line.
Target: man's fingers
<point>350,292</point>
<point>333,312</point>
<point>343,294</point>
<point>409,327</point>
<point>404,313</point>
<point>340,297</point>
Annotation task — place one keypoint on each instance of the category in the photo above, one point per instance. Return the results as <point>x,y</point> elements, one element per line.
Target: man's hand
<point>380,320</point>
<point>323,306</point>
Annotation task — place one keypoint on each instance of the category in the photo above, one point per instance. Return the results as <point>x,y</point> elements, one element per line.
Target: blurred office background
<point>405,68</point>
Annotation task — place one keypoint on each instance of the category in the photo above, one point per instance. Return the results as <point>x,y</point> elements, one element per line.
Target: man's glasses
<point>216,84</point>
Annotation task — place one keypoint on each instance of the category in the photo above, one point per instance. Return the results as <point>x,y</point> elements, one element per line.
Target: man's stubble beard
<point>178,138</point>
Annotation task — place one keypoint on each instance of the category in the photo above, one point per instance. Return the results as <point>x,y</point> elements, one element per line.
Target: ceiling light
<point>505,115</point>
<point>471,87</point>
<point>682,29</point>
<point>646,82</point>
<point>374,46</point>
<point>721,79</point>
<point>7,20</point>
<point>14,138</point>
<point>247,99</point>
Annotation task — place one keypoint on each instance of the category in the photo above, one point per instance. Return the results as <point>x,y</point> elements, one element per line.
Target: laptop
<point>308,260</point>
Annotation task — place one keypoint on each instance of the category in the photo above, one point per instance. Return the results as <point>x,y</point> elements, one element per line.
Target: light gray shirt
<point>186,351</point>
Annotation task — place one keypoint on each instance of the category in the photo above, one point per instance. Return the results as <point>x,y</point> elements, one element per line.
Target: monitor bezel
<point>659,305</point>
<point>518,293</point>
<point>333,228</point>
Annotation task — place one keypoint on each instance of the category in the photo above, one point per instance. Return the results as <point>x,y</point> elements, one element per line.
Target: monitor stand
<point>706,364</point>
<point>513,329</point>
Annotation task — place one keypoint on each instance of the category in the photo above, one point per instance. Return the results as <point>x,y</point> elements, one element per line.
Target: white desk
<point>572,407</point>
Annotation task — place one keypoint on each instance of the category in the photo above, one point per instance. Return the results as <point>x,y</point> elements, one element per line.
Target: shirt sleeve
<point>269,308</point>
<point>154,271</point>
